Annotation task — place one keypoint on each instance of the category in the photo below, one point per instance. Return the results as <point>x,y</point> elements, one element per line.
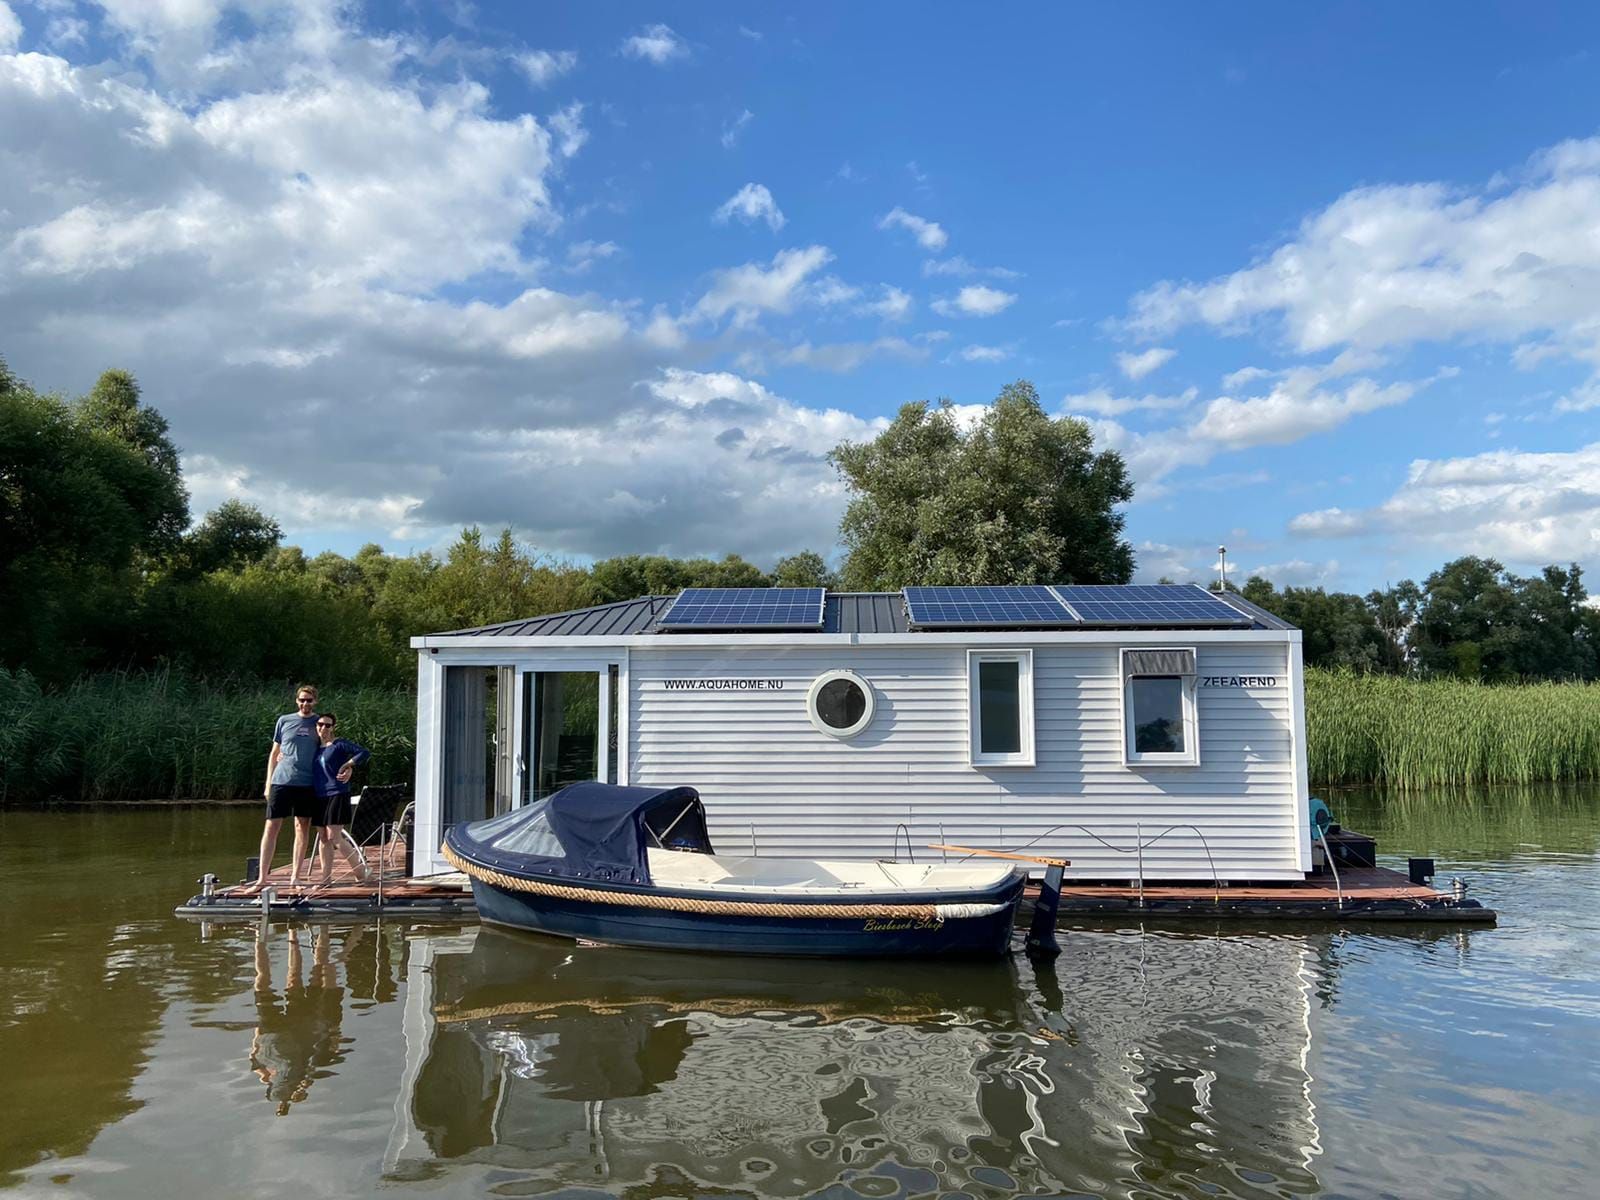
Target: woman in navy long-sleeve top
<point>336,760</point>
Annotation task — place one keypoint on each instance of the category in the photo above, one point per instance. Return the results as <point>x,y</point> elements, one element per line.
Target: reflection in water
<point>569,1066</point>
<point>297,1031</point>
<point>145,1056</point>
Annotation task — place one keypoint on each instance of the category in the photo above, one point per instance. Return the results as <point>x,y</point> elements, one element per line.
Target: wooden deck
<point>1360,894</point>
<point>1363,894</point>
<point>345,894</point>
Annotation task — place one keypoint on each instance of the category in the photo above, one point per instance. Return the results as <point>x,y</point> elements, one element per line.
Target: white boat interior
<point>812,877</point>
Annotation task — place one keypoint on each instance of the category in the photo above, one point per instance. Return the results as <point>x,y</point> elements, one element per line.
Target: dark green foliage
<point>632,575</point>
<point>232,536</point>
<point>805,569</point>
<point>1477,621</point>
<point>1019,498</point>
<point>160,735</point>
<point>1337,629</point>
<point>89,496</point>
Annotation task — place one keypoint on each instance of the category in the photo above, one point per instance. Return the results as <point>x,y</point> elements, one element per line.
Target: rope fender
<point>937,913</point>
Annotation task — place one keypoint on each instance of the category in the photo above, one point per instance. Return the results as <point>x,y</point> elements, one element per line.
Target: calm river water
<point>142,1055</point>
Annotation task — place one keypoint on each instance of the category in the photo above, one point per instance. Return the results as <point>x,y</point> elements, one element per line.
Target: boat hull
<point>985,936</point>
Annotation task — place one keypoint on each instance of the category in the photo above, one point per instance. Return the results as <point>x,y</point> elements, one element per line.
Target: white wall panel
<point>758,762</point>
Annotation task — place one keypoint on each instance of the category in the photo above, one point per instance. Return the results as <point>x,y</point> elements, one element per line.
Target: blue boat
<point>634,866</point>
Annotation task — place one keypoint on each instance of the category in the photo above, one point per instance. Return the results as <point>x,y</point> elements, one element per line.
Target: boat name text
<point>1238,681</point>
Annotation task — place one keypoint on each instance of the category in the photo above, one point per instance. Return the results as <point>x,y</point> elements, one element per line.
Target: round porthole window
<point>840,703</point>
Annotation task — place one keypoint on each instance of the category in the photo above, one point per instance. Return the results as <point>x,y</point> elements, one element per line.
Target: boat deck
<point>1362,894</point>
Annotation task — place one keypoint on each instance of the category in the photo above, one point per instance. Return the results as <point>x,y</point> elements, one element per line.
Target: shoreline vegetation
<point>132,736</point>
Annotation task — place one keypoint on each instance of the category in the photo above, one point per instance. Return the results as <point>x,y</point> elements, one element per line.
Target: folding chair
<point>374,811</point>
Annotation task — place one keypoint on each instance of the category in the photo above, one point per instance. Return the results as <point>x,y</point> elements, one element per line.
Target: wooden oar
<point>1033,858</point>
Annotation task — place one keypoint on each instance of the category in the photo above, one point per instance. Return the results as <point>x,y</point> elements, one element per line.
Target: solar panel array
<point>1160,606</point>
<point>1148,604</point>
<point>745,608</point>
<point>965,607</point>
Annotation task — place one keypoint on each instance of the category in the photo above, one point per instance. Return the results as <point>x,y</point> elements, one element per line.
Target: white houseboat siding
<point>767,774</point>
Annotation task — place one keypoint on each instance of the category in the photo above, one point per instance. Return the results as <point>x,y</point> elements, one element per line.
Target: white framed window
<point>1000,707</point>
<point>840,703</point>
<point>1160,721</point>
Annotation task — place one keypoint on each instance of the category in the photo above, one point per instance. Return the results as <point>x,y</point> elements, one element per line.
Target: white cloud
<point>655,43</point>
<point>893,305</point>
<point>752,34</point>
<point>753,202</point>
<point>847,356</point>
<point>929,235</point>
<point>544,67</point>
<point>1392,265</point>
<point>1296,572</point>
<point>975,300</point>
<point>567,125</point>
<point>1328,522</point>
<point>732,130</point>
<point>1298,403</point>
<point>1137,366</point>
<point>985,354</point>
<point>1102,403</point>
<point>583,255</point>
<point>960,268</point>
<point>747,291</point>
<point>313,197</point>
<point>1522,507</point>
<point>10,28</point>
<point>1290,412</point>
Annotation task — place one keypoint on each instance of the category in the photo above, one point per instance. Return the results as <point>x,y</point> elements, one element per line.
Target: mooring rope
<point>721,908</point>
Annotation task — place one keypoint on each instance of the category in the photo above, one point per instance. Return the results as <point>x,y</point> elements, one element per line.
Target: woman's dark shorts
<point>336,810</point>
<point>292,800</point>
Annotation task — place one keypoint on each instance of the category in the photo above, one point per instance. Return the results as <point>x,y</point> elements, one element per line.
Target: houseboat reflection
<point>1178,1061</point>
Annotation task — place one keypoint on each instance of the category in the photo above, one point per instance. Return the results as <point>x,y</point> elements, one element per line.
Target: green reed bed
<point>159,735</point>
<point>1407,733</point>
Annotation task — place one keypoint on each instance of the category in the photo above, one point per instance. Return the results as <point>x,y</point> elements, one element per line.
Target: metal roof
<point>845,612</point>
<point>604,620</point>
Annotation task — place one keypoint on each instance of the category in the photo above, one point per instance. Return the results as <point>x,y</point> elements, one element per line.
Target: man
<point>289,791</point>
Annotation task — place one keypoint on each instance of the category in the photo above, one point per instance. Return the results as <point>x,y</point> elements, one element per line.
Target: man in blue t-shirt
<point>289,791</point>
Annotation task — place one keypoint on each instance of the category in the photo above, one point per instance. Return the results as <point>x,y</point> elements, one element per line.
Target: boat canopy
<point>587,831</point>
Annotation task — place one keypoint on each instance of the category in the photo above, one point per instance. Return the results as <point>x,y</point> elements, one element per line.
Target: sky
<point>620,276</point>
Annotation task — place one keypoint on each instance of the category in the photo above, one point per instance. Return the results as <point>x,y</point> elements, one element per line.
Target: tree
<point>1468,624</point>
<point>1018,498</point>
<point>1337,629</point>
<point>232,536</point>
<point>113,407</point>
<point>805,569</point>
<point>631,575</point>
<point>80,507</point>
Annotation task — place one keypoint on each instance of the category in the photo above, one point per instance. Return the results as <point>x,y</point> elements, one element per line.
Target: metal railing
<point>1140,843</point>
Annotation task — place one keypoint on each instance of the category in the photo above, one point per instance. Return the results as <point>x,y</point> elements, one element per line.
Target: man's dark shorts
<point>292,800</point>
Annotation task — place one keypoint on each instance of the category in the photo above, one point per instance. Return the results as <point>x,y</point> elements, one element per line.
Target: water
<point>144,1056</point>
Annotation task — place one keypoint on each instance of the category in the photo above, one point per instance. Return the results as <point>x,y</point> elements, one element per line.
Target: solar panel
<point>994,607</point>
<point>745,608</point>
<point>1161,605</point>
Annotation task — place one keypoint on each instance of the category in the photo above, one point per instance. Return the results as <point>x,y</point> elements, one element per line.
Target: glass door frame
<point>601,667</point>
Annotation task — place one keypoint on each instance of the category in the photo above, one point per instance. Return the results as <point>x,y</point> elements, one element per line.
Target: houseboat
<point>1149,732</point>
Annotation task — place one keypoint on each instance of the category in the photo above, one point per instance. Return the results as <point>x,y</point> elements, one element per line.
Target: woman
<point>336,760</point>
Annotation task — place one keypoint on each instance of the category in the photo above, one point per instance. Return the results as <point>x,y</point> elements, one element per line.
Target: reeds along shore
<point>160,735</point>
<point>1408,734</point>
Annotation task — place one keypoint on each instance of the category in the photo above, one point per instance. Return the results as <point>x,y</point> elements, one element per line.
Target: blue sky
<point>620,276</point>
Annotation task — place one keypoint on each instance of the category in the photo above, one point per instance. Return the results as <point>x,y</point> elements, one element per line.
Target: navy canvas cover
<point>594,831</point>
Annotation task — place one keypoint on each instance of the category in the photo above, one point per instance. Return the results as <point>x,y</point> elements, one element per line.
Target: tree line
<point>102,566</point>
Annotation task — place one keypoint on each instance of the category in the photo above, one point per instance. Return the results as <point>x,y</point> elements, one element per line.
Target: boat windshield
<point>522,831</point>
